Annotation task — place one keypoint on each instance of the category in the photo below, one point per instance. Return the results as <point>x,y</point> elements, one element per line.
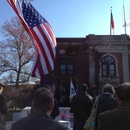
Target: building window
<point>108,66</point>
<point>66,67</point>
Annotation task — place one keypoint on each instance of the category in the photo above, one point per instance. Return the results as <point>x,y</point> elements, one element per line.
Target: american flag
<point>42,34</point>
<point>112,22</point>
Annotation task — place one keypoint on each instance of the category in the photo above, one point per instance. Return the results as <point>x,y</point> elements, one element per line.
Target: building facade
<point>94,60</point>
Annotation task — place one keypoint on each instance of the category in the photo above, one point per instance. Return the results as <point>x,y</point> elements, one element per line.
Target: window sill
<point>107,79</point>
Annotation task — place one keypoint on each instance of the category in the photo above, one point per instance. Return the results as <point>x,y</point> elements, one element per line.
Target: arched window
<point>108,66</point>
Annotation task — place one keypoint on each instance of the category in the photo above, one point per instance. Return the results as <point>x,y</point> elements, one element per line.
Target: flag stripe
<point>50,31</point>
<point>50,39</point>
<point>39,68</point>
<point>112,22</point>
<point>47,42</point>
<point>43,50</point>
<point>35,70</point>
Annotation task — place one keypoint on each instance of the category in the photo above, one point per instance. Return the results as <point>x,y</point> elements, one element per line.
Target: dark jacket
<point>81,106</point>
<point>105,102</point>
<point>3,110</point>
<point>116,119</point>
<point>39,121</point>
<point>55,112</point>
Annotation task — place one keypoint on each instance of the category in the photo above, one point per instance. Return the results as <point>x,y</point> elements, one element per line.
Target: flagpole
<point>110,43</point>
<point>110,20</point>
<point>124,16</point>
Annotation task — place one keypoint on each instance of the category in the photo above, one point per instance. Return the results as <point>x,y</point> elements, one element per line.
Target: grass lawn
<point>9,115</point>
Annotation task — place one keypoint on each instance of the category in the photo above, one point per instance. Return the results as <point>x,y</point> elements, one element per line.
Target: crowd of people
<point>112,109</point>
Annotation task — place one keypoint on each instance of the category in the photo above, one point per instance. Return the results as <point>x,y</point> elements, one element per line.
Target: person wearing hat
<point>3,108</point>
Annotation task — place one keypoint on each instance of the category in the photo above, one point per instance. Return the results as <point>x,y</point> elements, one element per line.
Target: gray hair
<point>108,88</point>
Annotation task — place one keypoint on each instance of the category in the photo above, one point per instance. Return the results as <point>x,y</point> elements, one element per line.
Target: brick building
<point>94,59</point>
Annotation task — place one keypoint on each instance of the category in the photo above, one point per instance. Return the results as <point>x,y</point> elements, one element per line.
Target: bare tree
<point>17,52</point>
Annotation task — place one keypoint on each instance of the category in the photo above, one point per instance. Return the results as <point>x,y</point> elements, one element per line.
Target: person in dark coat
<point>106,101</point>
<point>55,112</point>
<point>80,106</point>
<point>40,119</point>
<point>118,118</point>
<point>3,108</point>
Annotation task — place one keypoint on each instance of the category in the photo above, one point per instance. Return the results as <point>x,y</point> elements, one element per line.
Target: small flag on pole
<point>53,88</point>
<point>112,21</point>
<point>72,89</point>
<point>42,34</point>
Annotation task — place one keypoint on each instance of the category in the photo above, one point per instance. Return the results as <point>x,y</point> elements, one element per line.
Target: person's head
<point>84,88</point>
<point>43,100</point>
<point>1,87</point>
<point>123,92</point>
<point>108,88</point>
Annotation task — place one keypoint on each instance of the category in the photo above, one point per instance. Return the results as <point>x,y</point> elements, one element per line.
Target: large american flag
<point>112,22</point>
<point>42,34</point>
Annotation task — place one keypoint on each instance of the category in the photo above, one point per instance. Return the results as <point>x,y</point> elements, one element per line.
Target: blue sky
<point>77,18</point>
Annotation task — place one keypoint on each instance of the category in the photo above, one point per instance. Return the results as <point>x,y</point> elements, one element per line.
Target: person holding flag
<point>80,106</point>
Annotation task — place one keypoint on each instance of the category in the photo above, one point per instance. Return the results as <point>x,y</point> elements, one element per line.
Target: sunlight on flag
<point>42,34</point>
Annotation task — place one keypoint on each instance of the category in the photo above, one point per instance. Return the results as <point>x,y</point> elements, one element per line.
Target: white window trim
<point>116,63</point>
